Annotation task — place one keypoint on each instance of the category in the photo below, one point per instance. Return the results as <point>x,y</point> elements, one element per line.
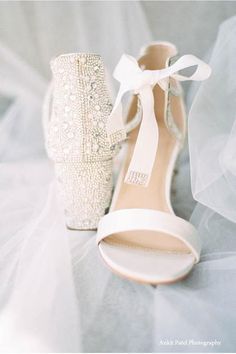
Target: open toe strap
<point>150,220</point>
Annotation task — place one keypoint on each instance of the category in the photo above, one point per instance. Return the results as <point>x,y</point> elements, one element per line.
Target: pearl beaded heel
<point>76,139</point>
<point>141,238</point>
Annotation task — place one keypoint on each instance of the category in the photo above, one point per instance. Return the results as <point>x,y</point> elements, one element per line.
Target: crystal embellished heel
<point>76,138</point>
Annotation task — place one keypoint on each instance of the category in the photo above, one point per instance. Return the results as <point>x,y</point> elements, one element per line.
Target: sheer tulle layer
<point>212,129</point>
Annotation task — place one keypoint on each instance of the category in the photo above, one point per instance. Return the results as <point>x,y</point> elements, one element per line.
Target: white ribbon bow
<point>141,82</point>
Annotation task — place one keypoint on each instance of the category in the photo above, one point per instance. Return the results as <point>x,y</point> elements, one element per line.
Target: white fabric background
<point>55,293</point>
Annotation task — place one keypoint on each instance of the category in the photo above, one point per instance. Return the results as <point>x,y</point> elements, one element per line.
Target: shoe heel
<point>76,112</point>
<point>86,190</point>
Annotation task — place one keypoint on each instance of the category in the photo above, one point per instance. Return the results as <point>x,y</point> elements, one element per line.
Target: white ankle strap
<point>150,220</point>
<point>141,82</point>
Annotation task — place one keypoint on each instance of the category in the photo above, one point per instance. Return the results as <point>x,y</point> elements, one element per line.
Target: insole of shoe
<point>156,195</point>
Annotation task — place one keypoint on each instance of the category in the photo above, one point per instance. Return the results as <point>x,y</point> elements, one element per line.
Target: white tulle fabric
<point>55,293</point>
<point>212,150</point>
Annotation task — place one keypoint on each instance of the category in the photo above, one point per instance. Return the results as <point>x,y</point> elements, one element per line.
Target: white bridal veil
<point>55,293</point>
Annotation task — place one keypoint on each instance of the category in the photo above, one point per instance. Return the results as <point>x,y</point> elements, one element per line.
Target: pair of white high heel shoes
<point>140,238</point>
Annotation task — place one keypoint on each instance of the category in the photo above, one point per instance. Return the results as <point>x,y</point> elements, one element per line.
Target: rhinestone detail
<point>117,137</point>
<point>137,178</point>
<point>79,145</point>
<point>86,192</point>
<point>169,119</point>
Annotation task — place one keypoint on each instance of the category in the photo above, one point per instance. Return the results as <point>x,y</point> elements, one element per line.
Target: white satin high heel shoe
<point>141,238</point>
<point>76,138</point>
